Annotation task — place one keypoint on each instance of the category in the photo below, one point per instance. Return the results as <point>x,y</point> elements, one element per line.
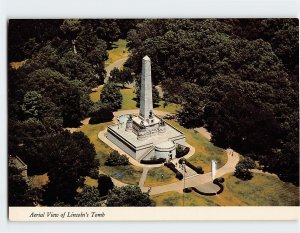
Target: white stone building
<point>146,136</point>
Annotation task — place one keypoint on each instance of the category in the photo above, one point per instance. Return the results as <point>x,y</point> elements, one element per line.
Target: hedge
<point>218,180</point>
<point>178,174</point>
<point>181,153</point>
<point>199,170</point>
<point>153,161</point>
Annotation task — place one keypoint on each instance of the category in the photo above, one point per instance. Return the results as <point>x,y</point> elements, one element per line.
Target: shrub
<point>154,161</point>
<point>100,113</point>
<point>181,151</point>
<point>242,169</point>
<point>178,174</point>
<point>104,184</point>
<point>187,190</point>
<point>199,170</point>
<point>115,159</point>
<point>219,180</point>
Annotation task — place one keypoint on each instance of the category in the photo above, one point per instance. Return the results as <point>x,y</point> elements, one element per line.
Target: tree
<point>71,156</point>
<point>114,75</point>
<point>18,189</point>
<point>115,159</point>
<point>100,113</point>
<point>192,102</point>
<point>111,96</point>
<point>105,184</point>
<point>128,196</point>
<point>89,196</point>
<point>242,168</point>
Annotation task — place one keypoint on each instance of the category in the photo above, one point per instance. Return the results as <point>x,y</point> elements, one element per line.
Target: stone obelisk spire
<point>146,104</point>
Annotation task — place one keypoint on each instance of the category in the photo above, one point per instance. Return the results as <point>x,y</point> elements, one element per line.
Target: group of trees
<point>62,61</point>
<point>237,77</point>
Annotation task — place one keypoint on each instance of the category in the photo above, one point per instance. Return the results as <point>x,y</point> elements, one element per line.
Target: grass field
<point>205,151</point>
<point>154,177</point>
<point>261,190</point>
<point>119,51</point>
<point>129,174</point>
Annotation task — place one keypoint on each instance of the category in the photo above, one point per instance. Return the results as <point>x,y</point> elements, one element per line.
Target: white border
<point>130,9</point>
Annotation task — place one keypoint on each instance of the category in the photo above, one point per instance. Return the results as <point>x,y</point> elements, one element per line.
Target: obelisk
<point>146,104</point>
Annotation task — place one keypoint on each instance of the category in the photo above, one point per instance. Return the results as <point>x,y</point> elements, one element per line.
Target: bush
<point>178,174</point>
<point>241,173</point>
<point>154,161</point>
<point>181,151</point>
<point>242,169</point>
<point>104,184</point>
<point>115,159</point>
<point>187,190</point>
<point>199,170</point>
<point>219,180</point>
<point>100,113</point>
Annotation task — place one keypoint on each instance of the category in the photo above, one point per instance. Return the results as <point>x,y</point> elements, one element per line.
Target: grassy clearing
<point>205,151</point>
<point>38,181</point>
<point>263,190</point>
<point>90,181</point>
<point>129,174</point>
<point>154,176</point>
<point>171,108</point>
<point>119,51</point>
<point>128,102</point>
<point>95,95</point>
<point>16,65</point>
<point>176,199</point>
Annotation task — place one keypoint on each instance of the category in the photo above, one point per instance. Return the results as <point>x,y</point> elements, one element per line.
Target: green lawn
<point>176,199</point>
<point>118,52</point>
<point>154,176</point>
<point>261,190</point>
<point>128,102</point>
<point>128,174</point>
<point>95,95</point>
<point>205,151</point>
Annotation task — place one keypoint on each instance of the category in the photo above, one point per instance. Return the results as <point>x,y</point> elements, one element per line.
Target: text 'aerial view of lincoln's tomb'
<point>146,136</point>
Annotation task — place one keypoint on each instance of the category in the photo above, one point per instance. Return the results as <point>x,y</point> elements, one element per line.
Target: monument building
<point>145,136</point>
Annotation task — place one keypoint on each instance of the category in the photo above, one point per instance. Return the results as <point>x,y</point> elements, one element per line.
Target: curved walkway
<point>193,181</point>
<point>117,64</point>
<point>197,179</point>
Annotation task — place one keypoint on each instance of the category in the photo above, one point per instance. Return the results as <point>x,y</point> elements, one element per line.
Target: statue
<point>142,126</point>
<point>162,122</point>
<point>130,118</point>
<point>150,114</point>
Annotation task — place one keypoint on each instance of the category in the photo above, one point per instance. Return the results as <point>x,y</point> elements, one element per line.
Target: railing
<point>147,153</point>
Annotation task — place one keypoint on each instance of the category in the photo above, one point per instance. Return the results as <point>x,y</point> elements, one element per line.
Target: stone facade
<point>145,136</point>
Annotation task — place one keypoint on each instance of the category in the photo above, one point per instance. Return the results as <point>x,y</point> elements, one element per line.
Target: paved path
<point>198,179</point>
<point>144,176</point>
<point>117,64</point>
<point>193,181</point>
